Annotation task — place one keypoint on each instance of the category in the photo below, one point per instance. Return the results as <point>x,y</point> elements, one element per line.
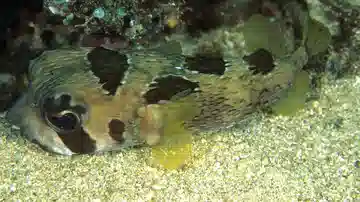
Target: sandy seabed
<point>313,156</point>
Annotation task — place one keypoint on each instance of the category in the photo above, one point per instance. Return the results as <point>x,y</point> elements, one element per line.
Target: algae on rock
<point>262,32</point>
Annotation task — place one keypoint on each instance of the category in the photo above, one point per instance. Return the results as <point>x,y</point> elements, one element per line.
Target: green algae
<point>262,32</point>
<point>318,37</point>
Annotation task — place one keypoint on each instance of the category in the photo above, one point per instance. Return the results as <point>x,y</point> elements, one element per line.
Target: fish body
<point>90,100</point>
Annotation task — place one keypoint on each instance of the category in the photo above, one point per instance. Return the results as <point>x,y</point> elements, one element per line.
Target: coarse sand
<point>313,156</point>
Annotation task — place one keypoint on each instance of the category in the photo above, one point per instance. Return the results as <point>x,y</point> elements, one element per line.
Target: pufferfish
<point>91,100</point>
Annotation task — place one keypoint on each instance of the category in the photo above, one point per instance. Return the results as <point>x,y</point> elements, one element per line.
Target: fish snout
<point>54,123</point>
<point>33,127</point>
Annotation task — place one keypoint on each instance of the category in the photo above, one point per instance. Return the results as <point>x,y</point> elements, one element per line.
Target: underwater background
<point>301,146</point>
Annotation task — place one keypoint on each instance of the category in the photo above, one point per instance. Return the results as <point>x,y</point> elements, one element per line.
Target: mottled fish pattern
<point>91,100</point>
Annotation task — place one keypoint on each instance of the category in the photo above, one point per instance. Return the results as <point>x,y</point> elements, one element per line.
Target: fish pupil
<point>65,122</point>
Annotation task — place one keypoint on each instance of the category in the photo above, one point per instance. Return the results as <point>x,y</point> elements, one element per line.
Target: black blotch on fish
<point>165,88</point>
<point>260,61</point>
<point>109,66</point>
<point>206,64</point>
<point>78,141</point>
<point>116,129</point>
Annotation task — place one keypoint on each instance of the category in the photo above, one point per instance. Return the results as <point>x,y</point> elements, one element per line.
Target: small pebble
<point>99,13</point>
<point>357,164</point>
<point>121,12</point>
<point>59,1</point>
<point>157,187</point>
<point>12,188</point>
<point>150,196</point>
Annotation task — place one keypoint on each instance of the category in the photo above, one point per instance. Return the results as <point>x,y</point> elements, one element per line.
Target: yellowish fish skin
<point>71,108</point>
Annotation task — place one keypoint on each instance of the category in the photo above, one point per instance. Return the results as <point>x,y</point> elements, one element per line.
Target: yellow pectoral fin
<point>295,99</point>
<point>175,147</point>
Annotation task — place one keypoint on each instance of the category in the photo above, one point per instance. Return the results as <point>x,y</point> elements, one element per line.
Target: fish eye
<point>62,113</point>
<point>63,122</point>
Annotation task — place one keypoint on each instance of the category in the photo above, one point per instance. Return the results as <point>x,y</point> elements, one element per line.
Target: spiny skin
<point>95,100</point>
